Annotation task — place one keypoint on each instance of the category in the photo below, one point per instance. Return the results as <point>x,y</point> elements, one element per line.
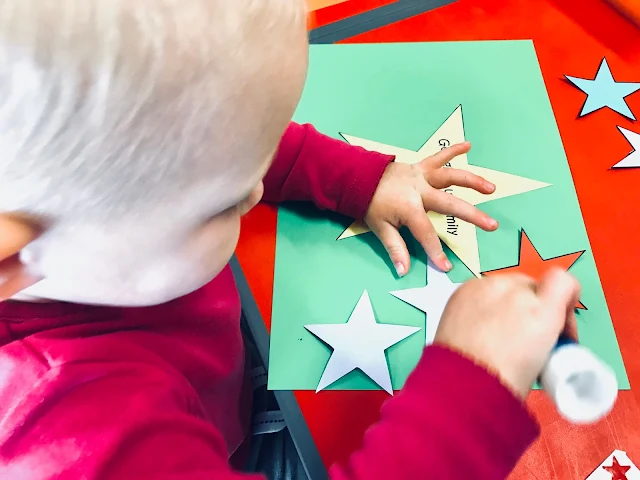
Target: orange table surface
<point>313,5</point>
<point>570,38</point>
<point>342,10</point>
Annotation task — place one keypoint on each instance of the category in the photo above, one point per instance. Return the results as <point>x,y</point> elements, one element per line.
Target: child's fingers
<point>425,233</point>
<point>395,246</point>
<point>445,177</point>
<point>559,292</point>
<point>447,204</point>
<point>444,156</point>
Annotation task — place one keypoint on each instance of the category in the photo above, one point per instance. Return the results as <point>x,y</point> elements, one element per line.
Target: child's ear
<point>15,234</point>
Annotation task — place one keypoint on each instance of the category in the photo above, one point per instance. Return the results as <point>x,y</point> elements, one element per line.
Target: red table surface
<point>570,38</point>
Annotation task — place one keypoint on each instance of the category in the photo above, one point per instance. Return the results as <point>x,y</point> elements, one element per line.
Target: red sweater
<point>157,392</point>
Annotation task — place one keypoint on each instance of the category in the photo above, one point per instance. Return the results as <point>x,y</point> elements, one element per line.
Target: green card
<point>399,95</point>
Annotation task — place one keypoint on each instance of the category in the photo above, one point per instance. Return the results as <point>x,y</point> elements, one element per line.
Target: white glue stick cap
<point>583,388</point>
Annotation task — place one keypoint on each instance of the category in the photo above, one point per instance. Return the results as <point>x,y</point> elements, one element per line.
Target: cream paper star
<point>359,343</point>
<point>459,236</point>
<point>431,299</point>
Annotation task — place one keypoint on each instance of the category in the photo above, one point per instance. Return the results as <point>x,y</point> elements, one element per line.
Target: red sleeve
<point>452,420</point>
<point>330,173</point>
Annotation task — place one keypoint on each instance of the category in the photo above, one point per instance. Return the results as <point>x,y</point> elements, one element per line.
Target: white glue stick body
<point>582,387</point>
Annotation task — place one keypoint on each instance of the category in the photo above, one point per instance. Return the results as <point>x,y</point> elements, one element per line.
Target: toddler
<point>133,137</point>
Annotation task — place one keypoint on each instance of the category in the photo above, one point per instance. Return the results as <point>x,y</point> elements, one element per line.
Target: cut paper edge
<point>408,296</point>
<point>356,228</point>
<point>632,160</point>
<point>364,315</point>
<point>508,183</point>
<point>430,299</point>
<point>575,81</point>
<point>523,235</point>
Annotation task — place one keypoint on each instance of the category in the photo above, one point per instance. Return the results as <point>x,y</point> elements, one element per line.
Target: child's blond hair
<point>106,105</point>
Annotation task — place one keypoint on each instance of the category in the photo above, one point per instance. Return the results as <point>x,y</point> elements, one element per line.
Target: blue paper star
<point>604,91</point>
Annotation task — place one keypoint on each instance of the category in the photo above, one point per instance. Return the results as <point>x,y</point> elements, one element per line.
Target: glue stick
<point>582,387</point>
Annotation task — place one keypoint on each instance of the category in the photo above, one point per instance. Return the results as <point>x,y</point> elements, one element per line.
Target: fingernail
<point>399,269</point>
<point>493,223</point>
<point>447,265</point>
<point>489,186</point>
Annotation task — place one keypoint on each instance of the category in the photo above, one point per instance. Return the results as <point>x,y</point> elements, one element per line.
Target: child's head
<point>133,135</point>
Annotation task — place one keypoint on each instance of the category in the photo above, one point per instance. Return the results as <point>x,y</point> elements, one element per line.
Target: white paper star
<point>360,343</point>
<point>459,236</point>
<point>604,91</point>
<point>431,299</point>
<point>616,466</point>
<point>633,159</point>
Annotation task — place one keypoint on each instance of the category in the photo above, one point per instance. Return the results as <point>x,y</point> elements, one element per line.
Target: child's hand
<point>407,192</point>
<point>509,323</point>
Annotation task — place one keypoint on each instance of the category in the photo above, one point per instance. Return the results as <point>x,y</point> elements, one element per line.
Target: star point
<point>633,159</point>
<point>617,466</point>
<point>617,471</point>
<point>604,91</point>
<point>460,237</point>
<point>431,299</point>
<point>531,263</point>
<point>360,344</point>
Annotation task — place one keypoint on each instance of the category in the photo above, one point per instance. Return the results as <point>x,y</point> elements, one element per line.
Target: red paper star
<point>532,264</point>
<point>617,471</point>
